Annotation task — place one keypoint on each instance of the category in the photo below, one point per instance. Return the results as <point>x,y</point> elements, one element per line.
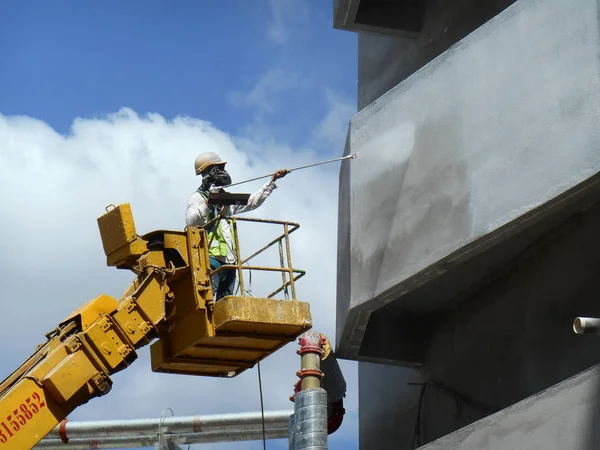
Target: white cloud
<point>288,19</point>
<point>263,97</point>
<point>333,127</point>
<point>56,186</point>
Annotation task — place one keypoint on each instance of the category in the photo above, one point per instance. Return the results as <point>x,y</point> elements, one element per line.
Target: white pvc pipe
<point>586,325</point>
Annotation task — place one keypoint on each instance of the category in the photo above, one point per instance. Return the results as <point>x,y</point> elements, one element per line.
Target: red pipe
<point>329,370</point>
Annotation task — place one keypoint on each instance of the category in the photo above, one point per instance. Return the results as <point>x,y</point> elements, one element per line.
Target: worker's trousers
<point>223,282</point>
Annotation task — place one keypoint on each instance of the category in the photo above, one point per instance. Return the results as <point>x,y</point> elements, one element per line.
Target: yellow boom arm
<point>170,299</point>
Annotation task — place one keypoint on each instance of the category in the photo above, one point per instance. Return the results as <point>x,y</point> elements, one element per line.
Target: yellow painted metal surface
<point>117,228</point>
<point>132,320</point>
<point>199,267</point>
<point>247,330</point>
<point>26,416</point>
<point>230,340</point>
<point>186,332</point>
<point>152,259</point>
<point>149,298</point>
<point>126,255</point>
<point>120,241</point>
<point>108,343</point>
<point>178,242</point>
<point>262,316</point>
<point>69,376</point>
<point>92,310</point>
<point>219,352</point>
<point>63,379</point>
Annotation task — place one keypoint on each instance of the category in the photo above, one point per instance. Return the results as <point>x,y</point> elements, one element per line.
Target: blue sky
<point>78,80</point>
<point>68,59</point>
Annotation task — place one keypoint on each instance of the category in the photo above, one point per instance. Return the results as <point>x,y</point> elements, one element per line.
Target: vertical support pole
<point>283,276</point>
<point>238,261</point>
<point>289,260</point>
<point>310,400</point>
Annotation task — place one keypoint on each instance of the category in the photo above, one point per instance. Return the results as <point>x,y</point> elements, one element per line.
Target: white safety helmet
<point>206,160</point>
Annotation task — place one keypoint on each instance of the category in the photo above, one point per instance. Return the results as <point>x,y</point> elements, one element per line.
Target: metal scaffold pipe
<point>152,440</point>
<point>310,417</point>
<point>180,430</point>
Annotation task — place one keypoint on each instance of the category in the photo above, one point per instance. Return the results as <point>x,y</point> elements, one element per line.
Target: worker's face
<point>217,176</point>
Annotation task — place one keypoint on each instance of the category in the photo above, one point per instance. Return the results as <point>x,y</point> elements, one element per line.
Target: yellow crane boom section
<point>171,302</point>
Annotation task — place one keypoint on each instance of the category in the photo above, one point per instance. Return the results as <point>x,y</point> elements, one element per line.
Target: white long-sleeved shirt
<point>198,213</point>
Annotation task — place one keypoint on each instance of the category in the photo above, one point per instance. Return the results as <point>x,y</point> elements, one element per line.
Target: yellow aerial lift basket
<point>196,334</point>
<point>170,305</point>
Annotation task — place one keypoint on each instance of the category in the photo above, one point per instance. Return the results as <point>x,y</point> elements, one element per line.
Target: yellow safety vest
<point>218,243</point>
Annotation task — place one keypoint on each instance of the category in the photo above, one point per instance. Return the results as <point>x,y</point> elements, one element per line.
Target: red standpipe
<point>325,368</point>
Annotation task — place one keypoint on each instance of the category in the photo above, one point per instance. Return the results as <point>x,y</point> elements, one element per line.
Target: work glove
<point>280,174</point>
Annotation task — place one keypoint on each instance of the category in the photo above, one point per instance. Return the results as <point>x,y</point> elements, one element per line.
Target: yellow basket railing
<point>289,274</point>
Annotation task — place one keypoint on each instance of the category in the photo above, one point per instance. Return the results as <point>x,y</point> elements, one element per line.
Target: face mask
<point>216,176</point>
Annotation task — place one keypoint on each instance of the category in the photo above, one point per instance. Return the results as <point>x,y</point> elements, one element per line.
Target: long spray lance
<point>352,156</point>
<point>214,189</point>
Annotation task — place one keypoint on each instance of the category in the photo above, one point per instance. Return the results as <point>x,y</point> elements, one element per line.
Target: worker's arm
<point>255,199</point>
<point>261,195</point>
<point>197,211</point>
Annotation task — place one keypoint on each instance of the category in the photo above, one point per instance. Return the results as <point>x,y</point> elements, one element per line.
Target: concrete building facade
<point>468,225</point>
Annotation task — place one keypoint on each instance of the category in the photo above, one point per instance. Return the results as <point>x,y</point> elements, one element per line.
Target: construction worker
<point>222,245</point>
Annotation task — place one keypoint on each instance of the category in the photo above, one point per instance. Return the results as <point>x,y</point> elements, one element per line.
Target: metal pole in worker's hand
<point>352,156</point>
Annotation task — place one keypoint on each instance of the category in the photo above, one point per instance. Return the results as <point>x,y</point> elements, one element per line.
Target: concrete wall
<point>468,230</point>
<point>389,403</point>
<point>400,18</point>
<point>453,159</point>
<point>343,244</point>
<point>513,336</point>
<point>562,417</point>
<point>510,339</point>
<point>386,60</point>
